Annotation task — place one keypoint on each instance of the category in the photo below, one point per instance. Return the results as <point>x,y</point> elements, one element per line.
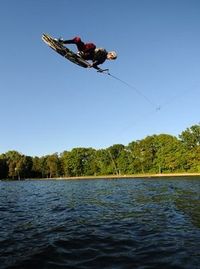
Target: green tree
<point>143,153</point>
<point>44,166</point>
<point>79,162</point>
<point>90,162</point>
<point>191,137</point>
<point>114,153</point>
<point>37,167</point>
<point>3,167</point>
<point>14,161</point>
<point>104,162</point>
<point>124,161</point>
<point>53,165</point>
<point>156,153</point>
<point>169,155</point>
<point>65,163</point>
<point>24,167</point>
<point>192,160</point>
<point>19,165</point>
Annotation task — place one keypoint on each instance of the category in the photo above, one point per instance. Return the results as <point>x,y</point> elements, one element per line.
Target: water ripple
<point>100,224</point>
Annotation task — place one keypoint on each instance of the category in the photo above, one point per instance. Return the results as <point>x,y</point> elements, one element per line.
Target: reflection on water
<point>122,223</point>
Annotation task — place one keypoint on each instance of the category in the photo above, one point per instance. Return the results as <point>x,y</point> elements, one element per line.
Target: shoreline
<point>133,176</point>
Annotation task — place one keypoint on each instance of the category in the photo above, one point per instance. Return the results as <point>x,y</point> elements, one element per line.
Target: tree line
<point>161,153</point>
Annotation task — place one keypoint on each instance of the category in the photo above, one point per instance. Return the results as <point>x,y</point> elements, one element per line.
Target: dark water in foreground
<point>122,223</point>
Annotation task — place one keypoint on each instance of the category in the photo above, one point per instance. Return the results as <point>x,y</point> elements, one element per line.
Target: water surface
<point>117,223</point>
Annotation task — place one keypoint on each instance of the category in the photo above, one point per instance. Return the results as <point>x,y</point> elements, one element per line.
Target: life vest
<point>100,55</point>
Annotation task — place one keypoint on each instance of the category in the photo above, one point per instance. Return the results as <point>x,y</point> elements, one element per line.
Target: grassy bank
<point>134,176</point>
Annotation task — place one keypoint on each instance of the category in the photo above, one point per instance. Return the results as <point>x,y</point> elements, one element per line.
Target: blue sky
<point>49,105</point>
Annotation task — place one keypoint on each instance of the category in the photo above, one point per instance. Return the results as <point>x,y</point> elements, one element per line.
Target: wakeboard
<point>64,51</point>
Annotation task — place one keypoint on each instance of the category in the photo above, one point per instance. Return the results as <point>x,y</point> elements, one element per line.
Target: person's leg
<point>77,41</point>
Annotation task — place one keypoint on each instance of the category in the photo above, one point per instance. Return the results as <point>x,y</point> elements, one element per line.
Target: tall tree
<point>13,161</point>
<point>3,167</point>
<point>191,136</point>
<point>114,153</point>
<point>24,167</point>
<point>104,162</point>
<point>170,154</point>
<point>81,161</point>
<point>37,167</point>
<point>53,165</point>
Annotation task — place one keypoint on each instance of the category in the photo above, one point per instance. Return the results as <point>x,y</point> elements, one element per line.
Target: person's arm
<point>95,65</point>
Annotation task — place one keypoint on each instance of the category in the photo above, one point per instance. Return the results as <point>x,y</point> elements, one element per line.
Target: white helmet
<point>112,55</point>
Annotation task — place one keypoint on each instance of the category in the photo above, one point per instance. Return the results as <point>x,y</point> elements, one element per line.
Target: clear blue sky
<point>48,104</point>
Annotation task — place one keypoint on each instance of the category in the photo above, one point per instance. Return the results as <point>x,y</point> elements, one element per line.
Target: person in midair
<point>89,51</point>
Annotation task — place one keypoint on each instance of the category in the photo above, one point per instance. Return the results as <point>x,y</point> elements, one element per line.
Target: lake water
<point>117,223</point>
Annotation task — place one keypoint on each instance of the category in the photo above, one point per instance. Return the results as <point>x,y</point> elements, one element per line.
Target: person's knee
<point>77,40</point>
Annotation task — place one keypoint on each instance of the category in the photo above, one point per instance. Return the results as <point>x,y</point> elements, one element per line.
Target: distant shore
<point>132,176</point>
